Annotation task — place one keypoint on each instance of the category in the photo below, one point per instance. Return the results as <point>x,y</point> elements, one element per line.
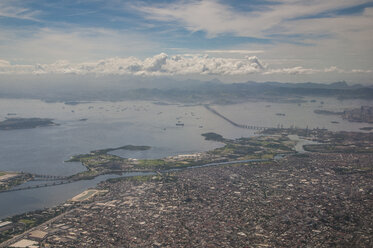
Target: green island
<point>100,162</point>
<point>326,112</point>
<point>25,123</point>
<point>366,128</point>
<point>213,136</point>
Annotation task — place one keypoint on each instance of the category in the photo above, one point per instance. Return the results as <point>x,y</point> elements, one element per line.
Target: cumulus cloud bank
<point>164,65</point>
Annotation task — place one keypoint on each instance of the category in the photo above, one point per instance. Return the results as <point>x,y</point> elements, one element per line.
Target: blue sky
<point>282,40</point>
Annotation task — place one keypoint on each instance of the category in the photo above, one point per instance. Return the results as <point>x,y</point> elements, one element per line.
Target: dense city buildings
<point>363,114</point>
<point>319,200</point>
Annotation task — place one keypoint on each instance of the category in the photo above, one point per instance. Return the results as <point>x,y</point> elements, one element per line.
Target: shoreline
<point>263,150</point>
<point>240,182</point>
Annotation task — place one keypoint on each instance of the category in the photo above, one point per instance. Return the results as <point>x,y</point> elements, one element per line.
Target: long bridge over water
<point>45,181</point>
<point>234,123</point>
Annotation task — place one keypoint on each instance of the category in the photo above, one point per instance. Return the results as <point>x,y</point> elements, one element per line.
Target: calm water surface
<point>112,124</point>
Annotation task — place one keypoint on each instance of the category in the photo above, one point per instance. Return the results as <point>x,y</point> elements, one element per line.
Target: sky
<point>236,40</point>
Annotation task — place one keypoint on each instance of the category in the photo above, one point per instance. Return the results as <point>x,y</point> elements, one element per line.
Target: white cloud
<point>164,65</point>
<point>361,71</point>
<point>292,71</point>
<point>45,45</point>
<point>14,9</point>
<point>216,18</point>
<point>7,68</point>
<point>323,40</point>
<point>4,63</point>
<point>343,41</point>
<point>237,51</point>
<point>333,69</point>
<point>299,70</point>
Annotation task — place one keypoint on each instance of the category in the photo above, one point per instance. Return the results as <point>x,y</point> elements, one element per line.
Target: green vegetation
<point>326,112</point>
<point>213,136</point>
<point>99,162</point>
<point>85,157</point>
<point>263,147</point>
<point>151,163</point>
<point>164,164</point>
<point>267,156</point>
<point>337,148</point>
<point>15,180</point>
<point>366,128</point>
<point>27,222</point>
<point>23,123</point>
<point>127,147</point>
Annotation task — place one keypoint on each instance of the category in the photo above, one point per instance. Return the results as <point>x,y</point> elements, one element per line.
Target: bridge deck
<point>234,123</point>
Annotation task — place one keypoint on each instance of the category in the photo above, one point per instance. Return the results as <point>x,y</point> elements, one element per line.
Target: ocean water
<point>43,150</point>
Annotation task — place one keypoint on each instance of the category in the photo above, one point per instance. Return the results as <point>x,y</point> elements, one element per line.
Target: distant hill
<point>186,91</point>
<point>238,92</point>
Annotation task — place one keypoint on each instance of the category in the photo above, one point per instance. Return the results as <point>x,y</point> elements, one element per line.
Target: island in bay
<point>25,123</point>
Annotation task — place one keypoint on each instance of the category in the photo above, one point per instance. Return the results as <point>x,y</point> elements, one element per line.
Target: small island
<point>366,128</point>
<point>25,123</point>
<point>213,137</point>
<point>326,112</point>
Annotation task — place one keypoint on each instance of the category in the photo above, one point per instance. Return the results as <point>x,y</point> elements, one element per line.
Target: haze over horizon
<point>186,123</point>
<point>236,41</point>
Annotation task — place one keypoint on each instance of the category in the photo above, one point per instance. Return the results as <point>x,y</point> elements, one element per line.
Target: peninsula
<point>100,162</point>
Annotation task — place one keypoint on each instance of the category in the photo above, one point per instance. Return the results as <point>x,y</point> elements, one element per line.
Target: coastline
<point>264,145</point>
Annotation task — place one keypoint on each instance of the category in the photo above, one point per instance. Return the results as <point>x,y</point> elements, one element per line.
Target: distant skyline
<point>241,40</point>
